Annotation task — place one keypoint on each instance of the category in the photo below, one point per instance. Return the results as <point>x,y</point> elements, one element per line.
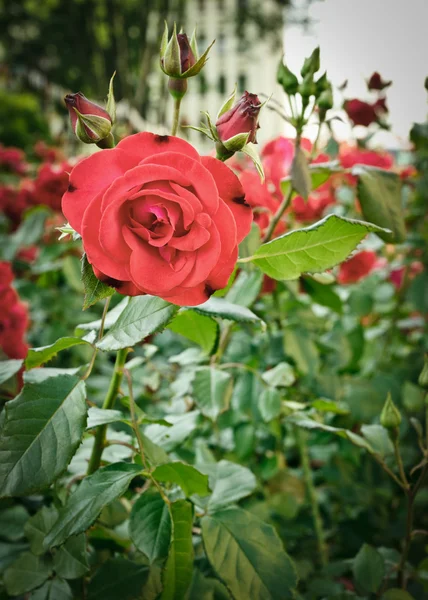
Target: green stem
<point>176,116</point>
<point>100,335</point>
<point>100,436</point>
<point>307,474</point>
<point>398,458</point>
<point>277,216</point>
<point>411,496</point>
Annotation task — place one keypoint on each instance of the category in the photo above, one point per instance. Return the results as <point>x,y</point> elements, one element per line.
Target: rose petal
<point>142,145</point>
<point>231,191</point>
<point>90,177</point>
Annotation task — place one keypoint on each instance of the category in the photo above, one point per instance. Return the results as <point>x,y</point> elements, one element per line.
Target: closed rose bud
<point>238,126</point>
<point>312,63</point>
<point>390,417</point>
<point>179,57</point>
<point>377,83</point>
<point>90,122</point>
<point>287,79</point>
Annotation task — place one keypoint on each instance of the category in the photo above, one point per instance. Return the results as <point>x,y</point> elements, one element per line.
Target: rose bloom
<point>313,209</point>
<point>13,160</point>
<point>15,201</point>
<point>363,113</point>
<point>357,267</point>
<point>277,156</point>
<point>157,218</point>
<point>13,316</point>
<point>50,184</point>
<point>352,155</point>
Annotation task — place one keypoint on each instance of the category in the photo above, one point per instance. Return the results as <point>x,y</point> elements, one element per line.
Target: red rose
<point>277,157</point>
<point>157,218</point>
<point>13,316</point>
<point>50,184</point>
<point>14,202</point>
<point>360,113</point>
<point>313,209</point>
<point>260,199</point>
<point>13,160</point>
<point>357,267</point>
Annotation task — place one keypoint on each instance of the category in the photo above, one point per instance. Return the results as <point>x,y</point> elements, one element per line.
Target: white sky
<point>358,37</point>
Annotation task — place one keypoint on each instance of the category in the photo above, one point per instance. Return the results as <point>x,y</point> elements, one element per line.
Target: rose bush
<point>157,218</point>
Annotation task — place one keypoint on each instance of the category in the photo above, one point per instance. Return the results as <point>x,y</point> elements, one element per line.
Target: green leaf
<point>26,573</point>
<point>118,578</point>
<point>229,483</point>
<point>212,389</point>
<point>150,525</point>
<point>312,249</point>
<point>319,173</point>
<point>198,328</point>
<point>37,527</point>
<point>28,233</point>
<point>12,522</point>
<point>300,177</point>
<point>270,404</point>
<point>282,375</point>
<point>246,288</point>
<point>300,347</point>
<point>42,429</point>
<point>170,437</point>
<point>187,477</point>
<point>86,503</point>
<point>322,294</point>
<point>40,356</point>
<point>54,589</point>
<point>178,569</point>
<point>155,454</point>
<point>143,316</point>
<point>379,193</point>
<point>248,556</point>
<point>397,594</point>
<point>218,307</point>
<point>103,416</point>
<point>301,420</point>
<point>94,288</point>
<point>71,561</point>
<point>369,569</point>
<point>250,151</point>
<point>110,319</point>
<point>378,438</point>
<point>8,368</point>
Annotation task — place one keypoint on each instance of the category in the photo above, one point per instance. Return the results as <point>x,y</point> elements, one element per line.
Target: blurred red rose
<point>313,209</point>
<point>263,203</point>
<point>13,160</point>
<point>13,316</point>
<point>15,201</point>
<point>157,218</point>
<point>50,185</point>
<point>47,153</point>
<point>363,113</point>
<point>396,276</point>
<point>357,267</point>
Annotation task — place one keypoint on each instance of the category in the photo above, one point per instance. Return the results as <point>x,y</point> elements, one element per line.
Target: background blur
<point>53,47</point>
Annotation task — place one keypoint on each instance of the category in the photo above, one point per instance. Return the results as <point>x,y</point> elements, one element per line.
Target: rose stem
<point>108,403</point>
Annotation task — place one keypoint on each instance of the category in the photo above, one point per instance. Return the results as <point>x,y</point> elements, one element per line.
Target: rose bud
<point>179,57</point>
<point>390,417</point>
<point>91,123</point>
<point>238,125</point>
<point>377,83</point>
<point>287,79</point>
<point>312,63</point>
